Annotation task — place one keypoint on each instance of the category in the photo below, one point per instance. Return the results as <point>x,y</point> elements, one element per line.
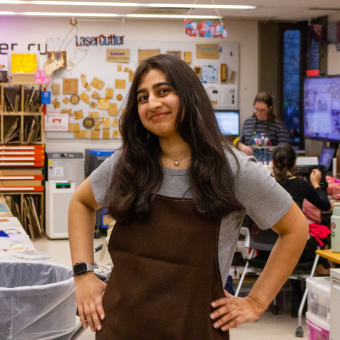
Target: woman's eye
<point>163,91</point>
<point>142,98</point>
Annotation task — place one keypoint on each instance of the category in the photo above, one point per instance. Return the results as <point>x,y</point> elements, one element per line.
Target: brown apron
<point>165,276</point>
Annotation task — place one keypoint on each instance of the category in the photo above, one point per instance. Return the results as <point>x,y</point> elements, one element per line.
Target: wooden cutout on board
<point>106,122</point>
<point>115,122</point>
<point>55,89</point>
<point>74,127</point>
<point>97,124</point>
<point>66,100</point>
<point>177,54</point>
<point>145,54</point>
<point>232,77</point>
<point>115,134</point>
<point>113,110</point>
<point>106,133</point>
<point>120,84</point>
<point>78,114</point>
<point>119,97</point>
<point>68,111</point>
<point>93,115</point>
<point>187,57</point>
<point>93,105</point>
<point>55,103</point>
<point>97,83</point>
<point>84,82</point>
<point>119,68</point>
<point>85,98</point>
<point>81,134</point>
<point>109,93</point>
<point>95,95</point>
<point>197,70</point>
<point>103,104</point>
<point>70,86</point>
<point>224,73</point>
<point>95,134</point>
<point>131,73</point>
<point>207,51</point>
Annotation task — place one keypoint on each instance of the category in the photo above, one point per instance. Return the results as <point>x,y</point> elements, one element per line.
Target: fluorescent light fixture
<point>111,15</point>
<point>123,4</point>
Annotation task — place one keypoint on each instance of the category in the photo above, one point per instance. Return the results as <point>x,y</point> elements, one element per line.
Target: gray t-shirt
<point>265,201</point>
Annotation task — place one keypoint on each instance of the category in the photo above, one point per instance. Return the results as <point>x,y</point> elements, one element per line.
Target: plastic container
<point>335,228</point>
<point>319,297</point>
<point>37,300</point>
<point>317,328</point>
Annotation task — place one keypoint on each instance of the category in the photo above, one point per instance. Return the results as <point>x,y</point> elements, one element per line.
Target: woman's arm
<point>81,222</point>
<point>293,232</point>
<point>316,195</point>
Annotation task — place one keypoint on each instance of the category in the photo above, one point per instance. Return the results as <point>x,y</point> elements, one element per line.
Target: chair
<point>258,239</point>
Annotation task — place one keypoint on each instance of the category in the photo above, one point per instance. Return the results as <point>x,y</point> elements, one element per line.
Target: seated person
<point>284,168</point>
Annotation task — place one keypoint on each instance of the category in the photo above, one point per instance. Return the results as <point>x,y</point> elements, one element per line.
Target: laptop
<point>326,158</point>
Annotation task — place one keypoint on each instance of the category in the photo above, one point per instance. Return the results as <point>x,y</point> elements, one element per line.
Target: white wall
<point>36,30</point>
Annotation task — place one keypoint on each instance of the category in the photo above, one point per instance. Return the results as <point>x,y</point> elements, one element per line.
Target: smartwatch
<point>82,268</point>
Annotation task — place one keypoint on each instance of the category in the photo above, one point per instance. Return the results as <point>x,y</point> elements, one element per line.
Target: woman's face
<point>261,110</point>
<point>157,104</point>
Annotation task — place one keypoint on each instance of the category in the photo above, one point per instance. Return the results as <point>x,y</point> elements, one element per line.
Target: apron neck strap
<point>255,126</point>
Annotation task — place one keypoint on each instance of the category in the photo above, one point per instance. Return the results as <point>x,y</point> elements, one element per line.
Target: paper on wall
<point>228,95</point>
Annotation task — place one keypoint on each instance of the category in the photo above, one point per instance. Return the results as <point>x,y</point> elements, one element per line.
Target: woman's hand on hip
<point>89,295</point>
<point>245,149</point>
<point>232,311</point>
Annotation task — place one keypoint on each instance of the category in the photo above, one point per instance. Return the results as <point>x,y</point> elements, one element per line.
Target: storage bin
<point>37,300</point>
<point>318,328</point>
<point>319,296</point>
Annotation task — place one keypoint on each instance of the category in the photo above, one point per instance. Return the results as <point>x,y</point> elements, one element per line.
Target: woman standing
<point>179,197</point>
<point>262,128</point>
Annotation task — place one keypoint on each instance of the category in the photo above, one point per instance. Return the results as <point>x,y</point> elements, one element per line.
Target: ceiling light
<point>123,4</point>
<point>110,15</point>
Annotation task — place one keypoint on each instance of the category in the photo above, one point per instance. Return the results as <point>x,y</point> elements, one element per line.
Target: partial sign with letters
<point>56,122</point>
<point>117,55</point>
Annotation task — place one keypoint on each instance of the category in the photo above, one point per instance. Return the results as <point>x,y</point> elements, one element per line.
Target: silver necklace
<point>176,161</point>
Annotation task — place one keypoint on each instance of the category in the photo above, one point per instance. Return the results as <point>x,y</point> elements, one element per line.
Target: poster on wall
<point>209,74</point>
<point>56,122</point>
<point>228,96</point>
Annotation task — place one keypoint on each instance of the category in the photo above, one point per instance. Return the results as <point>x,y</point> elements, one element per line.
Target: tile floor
<point>269,327</point>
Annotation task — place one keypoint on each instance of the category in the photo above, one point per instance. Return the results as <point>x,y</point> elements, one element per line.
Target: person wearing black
<point>284,168</point>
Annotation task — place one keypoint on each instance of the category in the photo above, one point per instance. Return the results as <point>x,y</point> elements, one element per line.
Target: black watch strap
<point>82,268</point>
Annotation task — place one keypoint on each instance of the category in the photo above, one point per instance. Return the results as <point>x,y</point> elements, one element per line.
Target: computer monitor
<point>322,108</point>
<point>326,157</point>
<point>228,121</point>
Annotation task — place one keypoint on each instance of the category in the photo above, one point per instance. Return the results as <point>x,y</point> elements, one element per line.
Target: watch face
<point>80,268</point>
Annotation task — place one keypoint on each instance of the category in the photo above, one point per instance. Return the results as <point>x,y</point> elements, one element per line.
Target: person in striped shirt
<point>262,123</point>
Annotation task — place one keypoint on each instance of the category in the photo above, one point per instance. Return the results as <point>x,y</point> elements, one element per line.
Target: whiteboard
<point>91,61</point>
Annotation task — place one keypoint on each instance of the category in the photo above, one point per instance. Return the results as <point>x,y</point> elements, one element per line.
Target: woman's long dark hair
<point>284,158</point>
<point>138,173</point>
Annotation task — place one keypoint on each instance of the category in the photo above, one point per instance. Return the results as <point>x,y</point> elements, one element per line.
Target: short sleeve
<point>265,201</point>
<point>100,179</point>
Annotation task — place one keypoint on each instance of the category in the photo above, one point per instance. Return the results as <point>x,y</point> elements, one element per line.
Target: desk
<point>328,254</point>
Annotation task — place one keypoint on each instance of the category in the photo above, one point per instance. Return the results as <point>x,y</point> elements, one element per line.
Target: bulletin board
<point>96,82</point>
